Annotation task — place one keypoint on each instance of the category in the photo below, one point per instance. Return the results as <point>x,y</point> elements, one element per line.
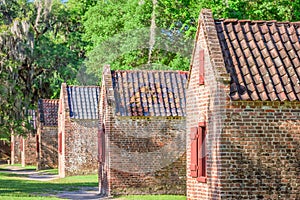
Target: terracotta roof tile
<point>83,101</point>
<point>262,58</point>
<point>149,93</point>
<point>48,111</point>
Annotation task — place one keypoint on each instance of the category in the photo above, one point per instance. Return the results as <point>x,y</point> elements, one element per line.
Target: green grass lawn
<point>32,167</point>
<point>14,187</point>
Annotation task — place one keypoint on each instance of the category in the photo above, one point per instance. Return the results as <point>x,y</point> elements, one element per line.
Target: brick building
<point>243,110</point>
<point>77,130</point>
<point>47,137</point>
<point>142,132</point>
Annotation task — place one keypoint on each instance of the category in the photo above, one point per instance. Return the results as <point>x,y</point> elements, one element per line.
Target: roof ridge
<point>150,71</point>
<point>49,99</point>
<point>87,86</point>
<point>232,20</point>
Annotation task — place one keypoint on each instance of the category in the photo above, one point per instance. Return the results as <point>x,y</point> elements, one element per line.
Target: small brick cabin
<point>142,132</point>
<point>243,110</point>
<point>77,130</point>
<point>47,137</point>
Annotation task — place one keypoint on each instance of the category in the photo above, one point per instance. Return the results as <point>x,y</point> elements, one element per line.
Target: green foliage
<point>46,42</point>
<point>280,10</point>
<point>119,34</point>
<point>36,58</point>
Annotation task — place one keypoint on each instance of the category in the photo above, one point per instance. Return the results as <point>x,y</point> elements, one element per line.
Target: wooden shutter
<point>201,67</point>
<point>201,152</point>
<point>101,144</point>
<point>60,142</point>
<point>37,143</point>
<point>194,166</point>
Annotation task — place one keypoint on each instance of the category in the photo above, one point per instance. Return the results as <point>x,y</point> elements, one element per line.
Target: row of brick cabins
<point>241,123</point>
<point>242,117</point>
<point>66,129</point>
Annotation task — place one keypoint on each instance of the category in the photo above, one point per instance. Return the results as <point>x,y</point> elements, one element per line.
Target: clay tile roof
<point>149,93</point>
<point>262,57</point>
<point>83,101</point>
<point>48,109</point>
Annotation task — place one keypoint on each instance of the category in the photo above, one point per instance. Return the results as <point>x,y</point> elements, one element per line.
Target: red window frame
<point>198,152</point>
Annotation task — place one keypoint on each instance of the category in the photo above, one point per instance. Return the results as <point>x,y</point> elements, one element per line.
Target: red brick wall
<point>263,148</point>
<point>147,156</point>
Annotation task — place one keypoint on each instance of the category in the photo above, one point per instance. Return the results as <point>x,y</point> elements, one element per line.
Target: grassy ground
<point>12,186</point>
<point>3,167</point>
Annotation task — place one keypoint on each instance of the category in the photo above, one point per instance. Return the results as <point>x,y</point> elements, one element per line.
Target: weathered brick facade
<point>252,120</point>
<point>142,132</point>
<point>77,130</point>
<point>47,137</point>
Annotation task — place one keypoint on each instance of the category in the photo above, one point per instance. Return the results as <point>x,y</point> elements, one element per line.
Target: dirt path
<point>83,193</point>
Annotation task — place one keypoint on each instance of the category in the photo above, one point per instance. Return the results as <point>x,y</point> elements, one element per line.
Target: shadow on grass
<point>14,185</point>
<point>17,170</point>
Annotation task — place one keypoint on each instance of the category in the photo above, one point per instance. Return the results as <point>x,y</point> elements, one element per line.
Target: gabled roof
<point>262,57</point>
<point>48,111</point>
<point>149,93</point>
<point>83,101</point>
